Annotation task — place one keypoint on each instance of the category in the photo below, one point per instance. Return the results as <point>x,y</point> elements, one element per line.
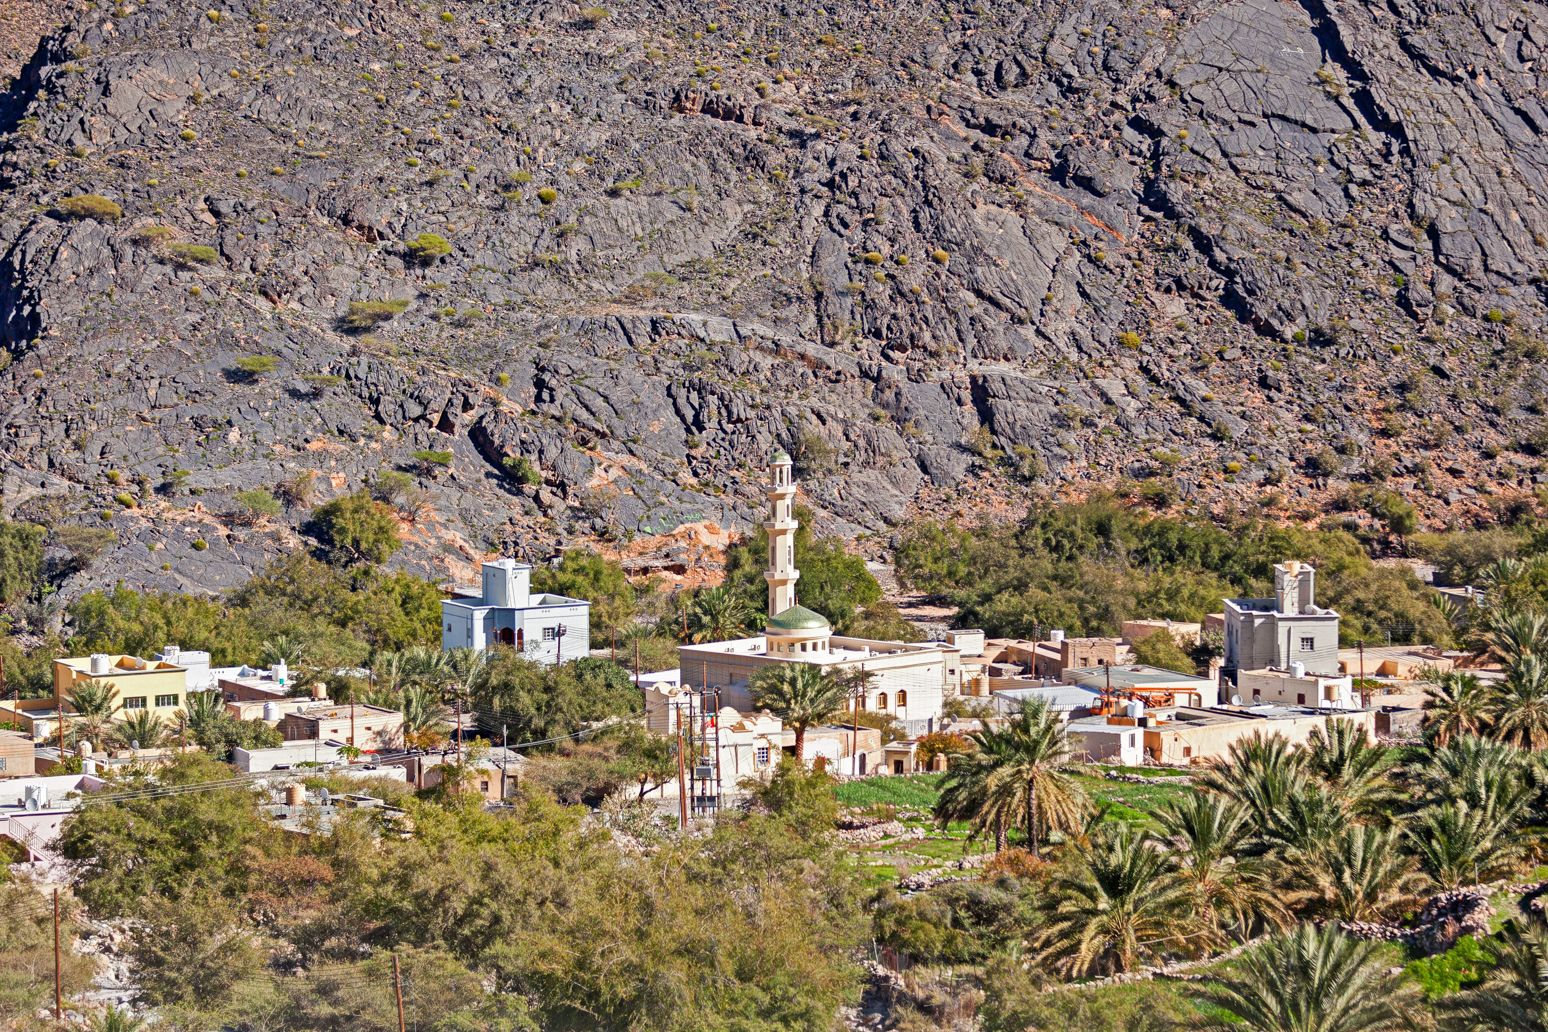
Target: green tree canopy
<point>356,528</point>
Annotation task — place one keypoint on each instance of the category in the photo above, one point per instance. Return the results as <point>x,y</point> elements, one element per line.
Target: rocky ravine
<point>939,254</point>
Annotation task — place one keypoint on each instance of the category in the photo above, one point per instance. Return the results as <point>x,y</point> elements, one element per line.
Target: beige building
<point>1155,686</point>
<point>15,755</point>
<point>368,728</point>
<point>1296,687</point>
<point>1182,632</point>
<point>1187,735</point>
<point>1286,629</point>
<point>908,682</point>
<point>139,685</point>
<point>36,718</point>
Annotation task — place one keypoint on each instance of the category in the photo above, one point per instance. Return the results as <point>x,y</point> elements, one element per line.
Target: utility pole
<point>350,757</point>
<point>58,978</point>
<point>1365,699</point>
<point>458,698</point>
<point>397,989</point>
<point>682,778</point>
<point>505,743</point>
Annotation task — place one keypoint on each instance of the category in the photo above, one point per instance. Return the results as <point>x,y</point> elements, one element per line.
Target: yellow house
<point>141,684</point>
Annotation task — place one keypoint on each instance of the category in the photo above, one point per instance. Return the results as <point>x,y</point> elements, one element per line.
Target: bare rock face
<point>921,247</point>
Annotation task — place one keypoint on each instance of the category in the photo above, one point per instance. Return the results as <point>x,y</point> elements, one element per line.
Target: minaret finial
<point>781,527</point>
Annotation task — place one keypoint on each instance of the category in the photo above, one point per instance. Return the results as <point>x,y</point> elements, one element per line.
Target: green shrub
<point>548,195</point>
<point>1130,339</point>
<point>432,457</point>
<point>257,503</point>
<point>521,470</point>
<point>192,254</point>
<point>503,379</point>
<point>356,528</point>
<point>363,315</point>
<point>257,365</point>
<point>1494,315</point>
<point>1465,964</point>
<point>154,234</point>
<point>874,258</point>
<point>624,186</point>
<point>199,544</point>
<point>941,256</point>
<point>427,247</point>
<point>125,499</point>
<point>90,206</point>
<point>595,16</point>
<point>188,136</point>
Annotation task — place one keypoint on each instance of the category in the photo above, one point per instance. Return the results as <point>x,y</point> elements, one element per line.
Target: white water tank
<point>170,653</point>
<point>1056,635</point>
<point>280,672</point>
<point>100,664</point>
<point>89,767</point>
<point>83,748</point>
<point>1297,669</point>
<point>271,713</point>
<point>1135,708</point>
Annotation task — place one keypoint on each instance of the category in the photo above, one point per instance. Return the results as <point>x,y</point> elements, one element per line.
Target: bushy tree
<point>585,574</point>
<point>356,528</point>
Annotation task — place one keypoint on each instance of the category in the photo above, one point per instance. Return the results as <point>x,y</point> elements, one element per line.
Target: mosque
<point>909,682</point>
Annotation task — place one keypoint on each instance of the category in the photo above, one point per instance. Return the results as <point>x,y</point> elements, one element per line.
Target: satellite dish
<point>1236,700</point>
<point>135,745</point>
<point>32,804</point>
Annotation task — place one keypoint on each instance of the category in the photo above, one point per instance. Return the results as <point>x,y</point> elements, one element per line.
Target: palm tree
<point>94,703</point>
<point>202,709</point>
<point>1016,773</point>
<point>800,694</point>
<point>1486,775</point>
<point>1514,998</point>
<point>1353,768</point>
<point>1309,979</point>
<point>1457,704</point>
<point>387,672</point>
<point>718,614</point>
<point>1514,634</point>
<point>425,666</point>
<point>282,648</point>
<point>1120,907</point>
<point>142,727</point>
<point>1459,845</point>
<point>1229,890</point>
<point>1261,773</point>
<point>424,717</point>
<point>1361,873</point>
<point>1520,709</point>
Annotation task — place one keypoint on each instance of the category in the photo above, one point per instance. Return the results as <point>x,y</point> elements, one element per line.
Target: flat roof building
<point>1286,631</point>
<point>139,685</point>
<point>504,610</point>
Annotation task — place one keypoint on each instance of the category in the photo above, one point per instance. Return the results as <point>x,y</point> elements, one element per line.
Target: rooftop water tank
<point>100,664</point>
<point>1056,635</point>
<point>170,653</point>
<point>271,713</point>
<point>1297,669</point>
<point>280,672</point>
<point>295,794</point>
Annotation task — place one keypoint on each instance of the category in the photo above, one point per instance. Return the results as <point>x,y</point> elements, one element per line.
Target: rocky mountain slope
<point>945,253</point>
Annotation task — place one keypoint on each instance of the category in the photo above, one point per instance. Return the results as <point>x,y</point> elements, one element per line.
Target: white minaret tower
<point>781,526</point>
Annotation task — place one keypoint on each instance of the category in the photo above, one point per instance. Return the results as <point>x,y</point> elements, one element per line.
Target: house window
<point>448,627</point>
<point>135,702</point>
<point>165,700</point>
<point>548,633</point>
<point>881,702</point>
<point>1300,698</point>
<point>763,755</point>
<point>1187,751</point>
<point>902,699</point>
<point>483,786</point>
<point>1308,644</point>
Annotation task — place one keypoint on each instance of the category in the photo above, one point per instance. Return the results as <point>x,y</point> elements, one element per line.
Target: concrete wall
<point>1123,745</point>
<point>1258,640</point>
<point>1269,686</point>
<point>531,629</point>
<point>15,755</point>
<point>1184,742</point>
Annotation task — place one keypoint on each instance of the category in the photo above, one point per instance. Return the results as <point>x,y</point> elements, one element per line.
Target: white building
<point>909,682</point>
<point>505,611</point>
<point>1289,628</point>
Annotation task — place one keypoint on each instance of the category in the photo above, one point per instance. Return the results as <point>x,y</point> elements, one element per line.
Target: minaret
<point>781,526</point>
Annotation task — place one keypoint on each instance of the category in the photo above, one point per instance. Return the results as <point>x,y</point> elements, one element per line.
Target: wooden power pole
<point>397,989</point>
<point>58,977</point>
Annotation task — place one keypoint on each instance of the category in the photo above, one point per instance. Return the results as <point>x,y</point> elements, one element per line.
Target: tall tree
<point>718,614</point>
<point>1229,889</point>
<point>1456,704</point>
<point>1361,874</point>
<point>1121,905</point>
<point>1017,769</point>
<point>1308,980</point>
<point>1459,845</point>
<point>800,694</point>
<point>141,729</point>
<point>94,703</point>
<point>1342,756</point>
<point>1519,713</point>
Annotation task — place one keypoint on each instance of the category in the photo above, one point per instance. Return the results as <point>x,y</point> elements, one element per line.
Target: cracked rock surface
<point>943,256</point>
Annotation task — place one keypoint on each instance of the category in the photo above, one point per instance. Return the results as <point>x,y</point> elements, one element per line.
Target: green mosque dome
<point>799,618</point>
